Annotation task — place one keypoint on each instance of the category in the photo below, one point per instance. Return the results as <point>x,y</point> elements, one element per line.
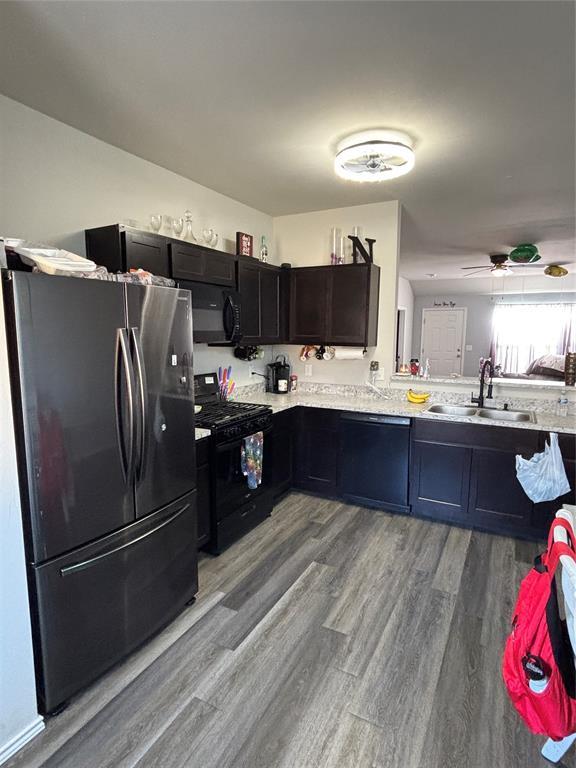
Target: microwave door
<point>207,312</point>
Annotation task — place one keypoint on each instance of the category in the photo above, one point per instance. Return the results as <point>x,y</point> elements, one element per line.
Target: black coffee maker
<point>278,375</point>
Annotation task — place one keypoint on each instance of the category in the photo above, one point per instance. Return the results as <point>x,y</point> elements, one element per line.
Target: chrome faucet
<point>480,399</point>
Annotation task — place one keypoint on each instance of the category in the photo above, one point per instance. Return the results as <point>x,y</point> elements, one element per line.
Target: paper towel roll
<point>349,353</point>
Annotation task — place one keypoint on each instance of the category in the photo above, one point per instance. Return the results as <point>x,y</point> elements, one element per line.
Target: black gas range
<point>234,508</point>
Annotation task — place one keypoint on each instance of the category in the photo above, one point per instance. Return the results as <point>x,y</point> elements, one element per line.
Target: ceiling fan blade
<point>483,269</point>
<point>478,266</point>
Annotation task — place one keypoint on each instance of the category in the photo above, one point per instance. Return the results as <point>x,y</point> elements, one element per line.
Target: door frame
<point>401,313</point>
<point>464,324</point>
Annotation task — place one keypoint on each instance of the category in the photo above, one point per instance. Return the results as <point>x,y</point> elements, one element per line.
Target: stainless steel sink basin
<point>452,410</point>
<point>500,415</point>
<point>495,414</point>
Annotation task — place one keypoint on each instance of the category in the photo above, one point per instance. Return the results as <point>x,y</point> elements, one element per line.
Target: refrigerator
<point>103,397</point>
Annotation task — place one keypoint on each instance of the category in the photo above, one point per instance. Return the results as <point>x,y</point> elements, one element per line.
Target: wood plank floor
<point>331,636</point>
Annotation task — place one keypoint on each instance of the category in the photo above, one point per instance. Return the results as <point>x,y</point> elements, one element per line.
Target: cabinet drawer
<point>320,418</point>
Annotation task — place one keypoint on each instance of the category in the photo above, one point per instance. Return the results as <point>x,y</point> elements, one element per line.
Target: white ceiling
<point>249,98</point>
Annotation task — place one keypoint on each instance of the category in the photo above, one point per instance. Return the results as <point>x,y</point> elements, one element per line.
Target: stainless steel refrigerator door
<point>160,325</point>
<point>72,385</point>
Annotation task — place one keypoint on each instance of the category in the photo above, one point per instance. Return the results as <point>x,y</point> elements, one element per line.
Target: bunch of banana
<point>417,397</point>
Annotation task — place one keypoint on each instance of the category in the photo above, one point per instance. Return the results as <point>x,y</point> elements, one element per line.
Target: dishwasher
<point>374,460</point>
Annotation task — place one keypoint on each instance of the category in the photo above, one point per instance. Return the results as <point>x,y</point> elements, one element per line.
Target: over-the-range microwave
<point>215,313</point>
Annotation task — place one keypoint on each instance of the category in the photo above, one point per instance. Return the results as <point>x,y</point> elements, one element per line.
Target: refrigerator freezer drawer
<point>97,604</point>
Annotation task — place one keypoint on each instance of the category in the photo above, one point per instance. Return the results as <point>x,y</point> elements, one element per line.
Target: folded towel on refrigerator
<point>251,459</point>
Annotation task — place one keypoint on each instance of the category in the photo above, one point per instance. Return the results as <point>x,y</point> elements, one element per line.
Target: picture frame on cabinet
<point>244,244</point>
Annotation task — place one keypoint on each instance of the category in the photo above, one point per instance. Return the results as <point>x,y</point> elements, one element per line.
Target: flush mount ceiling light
<point>374,156</point>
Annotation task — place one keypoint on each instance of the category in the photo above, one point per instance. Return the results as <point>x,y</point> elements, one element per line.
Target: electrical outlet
<point>308,370</point>
<point>468,347</point>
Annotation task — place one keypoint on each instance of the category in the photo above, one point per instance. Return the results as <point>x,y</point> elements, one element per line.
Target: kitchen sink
<point>495,414</point>
<point>452,410</point>
<point>501,415</point>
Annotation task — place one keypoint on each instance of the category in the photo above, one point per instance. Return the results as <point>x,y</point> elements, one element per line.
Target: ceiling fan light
<point>502,270</point>
<point>555,270</point>
<point>374,156</point>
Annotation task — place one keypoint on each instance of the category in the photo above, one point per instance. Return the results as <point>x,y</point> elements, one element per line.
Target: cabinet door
<point>221,269</point>
<point>282,452</point>
<point>348,310</point>
<point>309,302</point>
<point>149,252</point>
<point>317,451</point>
<point>497,500</point>
<point>543,513</point>
<point>270,305</point>
<point>249,288</point>
<point>440,481</point>
<point>202,265</point>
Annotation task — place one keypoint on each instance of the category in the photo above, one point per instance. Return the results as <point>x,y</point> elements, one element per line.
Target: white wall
<point>19,719</point>
<point>406,302</point>
<point>304,240</point>
<point>57,181</point>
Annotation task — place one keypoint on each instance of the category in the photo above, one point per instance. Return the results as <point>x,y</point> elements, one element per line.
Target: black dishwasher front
<point>374,458</point>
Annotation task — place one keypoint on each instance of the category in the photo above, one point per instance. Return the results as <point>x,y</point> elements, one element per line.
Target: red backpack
<point>539,648</point>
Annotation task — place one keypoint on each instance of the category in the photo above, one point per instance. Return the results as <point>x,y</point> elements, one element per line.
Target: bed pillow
<point>548,365</point>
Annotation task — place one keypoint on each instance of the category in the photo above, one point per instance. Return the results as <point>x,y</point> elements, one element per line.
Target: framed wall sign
<point>244,244</point>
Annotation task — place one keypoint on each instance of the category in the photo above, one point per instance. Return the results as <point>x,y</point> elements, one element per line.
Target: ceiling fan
<point>522,256</point>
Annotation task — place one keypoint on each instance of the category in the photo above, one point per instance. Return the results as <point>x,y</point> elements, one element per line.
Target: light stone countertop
<point>536,385</point>
<point>201,432</point>
<point>546,422</point>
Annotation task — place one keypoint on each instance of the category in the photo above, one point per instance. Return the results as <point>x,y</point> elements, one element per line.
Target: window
<point>523,332</point>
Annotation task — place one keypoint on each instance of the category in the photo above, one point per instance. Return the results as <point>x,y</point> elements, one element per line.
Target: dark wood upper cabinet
<point>121,249</point>
<point>335,305</point>
<point>308,305</point>
<point>202,265</point>
<point>259,286</point>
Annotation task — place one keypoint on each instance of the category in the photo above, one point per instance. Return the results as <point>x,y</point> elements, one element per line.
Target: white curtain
<point>523,332</point>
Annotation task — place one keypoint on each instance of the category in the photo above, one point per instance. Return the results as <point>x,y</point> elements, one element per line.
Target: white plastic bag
<point>543,477</point>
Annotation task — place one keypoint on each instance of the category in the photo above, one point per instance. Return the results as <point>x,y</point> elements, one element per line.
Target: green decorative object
<point>525,254</point>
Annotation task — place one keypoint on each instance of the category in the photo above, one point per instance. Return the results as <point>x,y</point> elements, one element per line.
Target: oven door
<point>230,484</point>
<point>215,313</point>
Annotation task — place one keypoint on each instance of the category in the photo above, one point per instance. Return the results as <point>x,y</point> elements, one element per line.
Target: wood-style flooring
<point>331,636</point>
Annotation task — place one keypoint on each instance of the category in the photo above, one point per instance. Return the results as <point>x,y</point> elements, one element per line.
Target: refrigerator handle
<point>124,363</point>
<point>143,398</point>
<point>75,567</point>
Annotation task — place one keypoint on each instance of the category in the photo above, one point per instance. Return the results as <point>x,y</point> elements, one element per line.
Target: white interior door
<point>443,340</point>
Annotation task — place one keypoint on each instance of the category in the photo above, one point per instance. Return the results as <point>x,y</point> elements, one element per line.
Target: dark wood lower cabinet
<point>440,481</point>
<point>457,473</point>
<point>316,463</point>
<point>466,473</point>
<point>281,452</point>
<point>543,513</point>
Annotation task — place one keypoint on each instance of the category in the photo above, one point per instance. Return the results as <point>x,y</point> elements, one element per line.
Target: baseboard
<point>26,734</point>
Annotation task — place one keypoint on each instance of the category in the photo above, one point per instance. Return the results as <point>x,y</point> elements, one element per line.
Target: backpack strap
<point>557,549</point>
<point>559,522</point>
